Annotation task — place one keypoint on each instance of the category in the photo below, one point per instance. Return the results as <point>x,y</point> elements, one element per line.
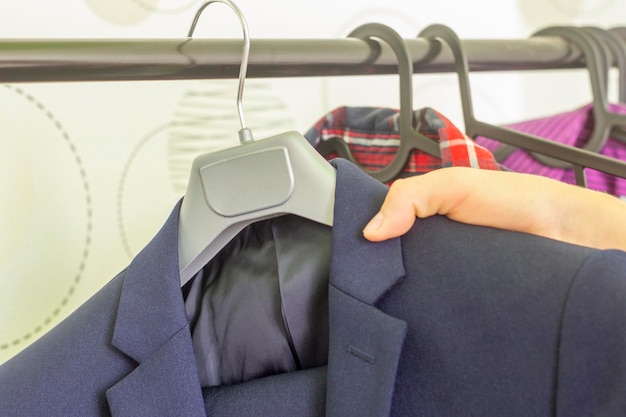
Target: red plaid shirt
<point>373,137</point>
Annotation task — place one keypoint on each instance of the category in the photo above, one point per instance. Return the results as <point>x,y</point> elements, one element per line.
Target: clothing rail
<point>72,60</point>
<point>67,60</point>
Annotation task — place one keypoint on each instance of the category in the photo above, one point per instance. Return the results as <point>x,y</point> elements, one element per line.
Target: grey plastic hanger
<point>256,180</point>
<point>410,138</point>
<point>475,127</point>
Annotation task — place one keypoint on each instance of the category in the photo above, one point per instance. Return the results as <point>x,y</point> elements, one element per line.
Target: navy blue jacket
<point>448,320</point>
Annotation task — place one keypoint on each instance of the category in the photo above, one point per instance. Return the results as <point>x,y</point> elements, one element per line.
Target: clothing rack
<point>74,60</point>
<point>67,60</point>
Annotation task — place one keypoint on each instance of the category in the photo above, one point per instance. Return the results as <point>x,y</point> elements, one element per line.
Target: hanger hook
<point>410,137</point>
<point>245,134</point>
<point>436,33</point>
<point>597,68</point>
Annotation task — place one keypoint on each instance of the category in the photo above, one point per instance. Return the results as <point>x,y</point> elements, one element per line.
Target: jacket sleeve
<point>591,379</point>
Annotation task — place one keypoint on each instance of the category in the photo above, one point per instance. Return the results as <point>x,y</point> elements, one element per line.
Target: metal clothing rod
<point>72,60</point>
<point>67,60</point>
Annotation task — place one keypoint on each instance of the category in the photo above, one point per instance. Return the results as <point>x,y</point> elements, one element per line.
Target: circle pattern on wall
<point>46,219</point>
<point>582,8</point>
<point>132,12</point>
<point>144,195</point>
<point>400,21</point>
<point>539,13</point>
<point>166,6</point>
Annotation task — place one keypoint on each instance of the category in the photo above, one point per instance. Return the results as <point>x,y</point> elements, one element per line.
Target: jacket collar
<point>151,325</point>
<point>356,266</point>
<point>364,342</point>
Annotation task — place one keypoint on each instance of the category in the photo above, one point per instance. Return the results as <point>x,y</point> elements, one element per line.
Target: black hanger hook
<point>595,62</point>
<point>436,32</point>
<point>616,51</point>
<point>409,138</point>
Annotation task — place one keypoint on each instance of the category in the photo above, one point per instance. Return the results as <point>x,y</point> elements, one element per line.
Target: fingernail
<point>374,224</point>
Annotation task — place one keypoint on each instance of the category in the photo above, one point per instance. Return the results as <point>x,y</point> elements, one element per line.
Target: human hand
<point>506,200</point>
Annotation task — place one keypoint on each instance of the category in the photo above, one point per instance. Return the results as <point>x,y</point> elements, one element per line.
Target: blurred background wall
<point>89,171</point>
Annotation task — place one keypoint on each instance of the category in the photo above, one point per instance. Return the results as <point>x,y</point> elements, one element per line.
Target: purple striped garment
<point>570,128</point>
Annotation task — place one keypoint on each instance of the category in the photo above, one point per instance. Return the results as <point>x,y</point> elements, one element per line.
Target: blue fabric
<point>485,319</point>
<point>449,320</point>
<point>592,345</point>
<point>294,394</point>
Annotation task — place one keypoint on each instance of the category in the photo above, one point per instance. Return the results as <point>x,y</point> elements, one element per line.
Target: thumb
<point>406,199</point>
<point>385,226</point>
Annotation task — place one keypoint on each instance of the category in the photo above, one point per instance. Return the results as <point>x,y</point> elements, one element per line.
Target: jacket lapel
<point>364,342</point>
<point>151,327</point>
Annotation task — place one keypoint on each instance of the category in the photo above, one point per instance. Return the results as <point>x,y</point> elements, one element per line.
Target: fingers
<point>407,199</point>
<point>442,191</point>
<point>518,202</point>
<point>394,219</point>
<point>512,201</point>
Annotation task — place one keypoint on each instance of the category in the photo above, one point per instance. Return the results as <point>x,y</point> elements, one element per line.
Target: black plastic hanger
<point>576,158</point>
<point>618,47</point>
<point>259,179</point>
<point>606,52</point>
<point>614,50</point>
<point>410,139</point>
<point>599,55</point>
<point>595,61</point>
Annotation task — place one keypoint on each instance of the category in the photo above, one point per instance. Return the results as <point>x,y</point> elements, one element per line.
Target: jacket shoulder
<point>66,371</point>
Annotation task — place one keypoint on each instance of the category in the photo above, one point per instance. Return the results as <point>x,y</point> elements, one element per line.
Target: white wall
<point>86,169</point>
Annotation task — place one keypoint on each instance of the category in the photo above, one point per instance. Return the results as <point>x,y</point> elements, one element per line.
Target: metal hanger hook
<point>245,134</point>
